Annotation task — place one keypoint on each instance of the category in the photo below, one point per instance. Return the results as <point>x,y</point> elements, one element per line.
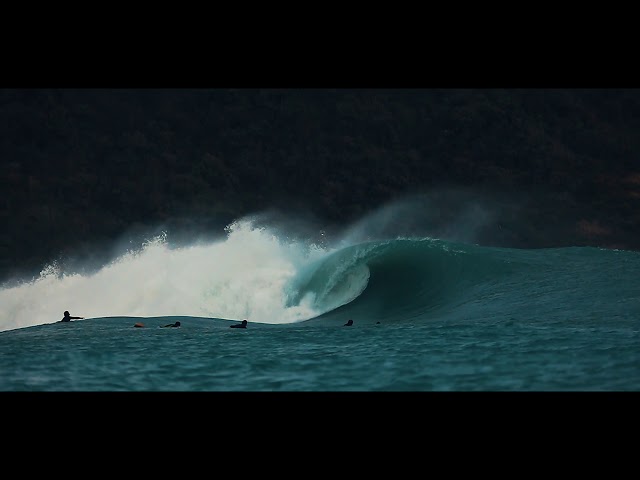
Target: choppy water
<point>109,354</point>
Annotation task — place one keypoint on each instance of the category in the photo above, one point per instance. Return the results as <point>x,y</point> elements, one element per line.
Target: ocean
<point>429,315</point>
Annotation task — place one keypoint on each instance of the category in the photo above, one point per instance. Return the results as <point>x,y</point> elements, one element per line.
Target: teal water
<point>429,315</point>
<point>109,354</point>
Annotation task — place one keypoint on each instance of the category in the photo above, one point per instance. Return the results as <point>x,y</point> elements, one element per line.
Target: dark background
<point>84,167</point>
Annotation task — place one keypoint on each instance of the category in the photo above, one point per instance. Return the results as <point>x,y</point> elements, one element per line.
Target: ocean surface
<point>428,314</point>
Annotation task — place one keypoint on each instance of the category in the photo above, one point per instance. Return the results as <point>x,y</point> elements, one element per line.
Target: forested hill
<point>82,166</point>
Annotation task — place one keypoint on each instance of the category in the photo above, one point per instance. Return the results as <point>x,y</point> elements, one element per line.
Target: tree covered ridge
<point>81,166</point>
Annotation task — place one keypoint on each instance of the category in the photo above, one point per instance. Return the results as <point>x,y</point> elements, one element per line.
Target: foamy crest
<point>243,276</point>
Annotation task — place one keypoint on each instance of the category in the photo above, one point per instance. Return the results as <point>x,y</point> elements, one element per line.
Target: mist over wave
<point>270,267</point>
<point>255,272</point>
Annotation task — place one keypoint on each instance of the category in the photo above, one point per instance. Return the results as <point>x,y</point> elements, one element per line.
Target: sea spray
<point>243,276</point>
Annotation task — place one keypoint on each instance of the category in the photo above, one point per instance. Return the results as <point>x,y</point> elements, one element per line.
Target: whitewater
<point>242,276</point>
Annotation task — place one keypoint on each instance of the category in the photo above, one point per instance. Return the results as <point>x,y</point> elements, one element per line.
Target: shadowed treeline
<point>80,167</point>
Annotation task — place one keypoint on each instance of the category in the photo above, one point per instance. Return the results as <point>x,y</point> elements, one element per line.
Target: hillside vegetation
<point>83,166</point>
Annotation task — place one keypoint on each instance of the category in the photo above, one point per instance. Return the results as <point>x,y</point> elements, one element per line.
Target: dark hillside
<point>83,166</point>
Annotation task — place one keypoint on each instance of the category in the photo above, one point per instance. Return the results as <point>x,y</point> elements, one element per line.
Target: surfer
<point>67,317</point>
<point>349,323</point>
<point>239,325</point>
<point>174,325</point>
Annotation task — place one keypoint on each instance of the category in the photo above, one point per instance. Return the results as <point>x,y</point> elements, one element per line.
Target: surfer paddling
<point>67,317</point>
<point>239,325</point>
<point>172,325</point>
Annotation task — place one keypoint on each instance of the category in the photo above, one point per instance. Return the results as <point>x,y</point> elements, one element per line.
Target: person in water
<point>67,317</point>
<point>174,325</point>
<point>239,325</point>
<point>349,323</point>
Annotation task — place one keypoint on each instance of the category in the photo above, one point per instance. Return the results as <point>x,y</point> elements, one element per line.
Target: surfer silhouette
<point>239,325</point>
<point>67,317</point>
<point>174,325</point>
<point>349,323</point>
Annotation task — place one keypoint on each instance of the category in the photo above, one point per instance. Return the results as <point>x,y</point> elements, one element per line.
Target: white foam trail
<point>243,276</point>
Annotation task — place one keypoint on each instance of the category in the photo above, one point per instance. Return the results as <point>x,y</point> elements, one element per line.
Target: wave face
<point>265,276</point>
<point>420,280</point>
<point>392,280</point>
